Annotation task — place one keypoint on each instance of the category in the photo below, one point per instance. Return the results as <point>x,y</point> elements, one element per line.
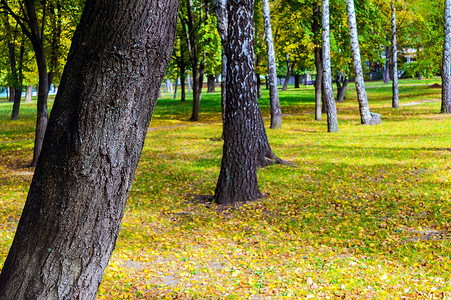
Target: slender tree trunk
<point>71,219</point>
<point>342,85</point>
<point>28,93</point>
<point>332,121</point>
<point>259,81</point>
<point>365,114</point>
<point>276,112</point>
<point>395,96</point>
<point>289,69</point>
<point>386,71</point>
<point>238,176</point>
<point>176,86</point>
<point>182,88</point>
<point>12,94</point>
<point>318,59</point>
<point>210,83</point>
<point>222,25</point>
<point>446,61</point>
<point>189,83</point>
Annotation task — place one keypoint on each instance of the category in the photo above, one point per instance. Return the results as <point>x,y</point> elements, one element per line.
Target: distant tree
<point>71,219</point>
<point>316,29</point>
<point>446,64</point>
<point>395,94</point>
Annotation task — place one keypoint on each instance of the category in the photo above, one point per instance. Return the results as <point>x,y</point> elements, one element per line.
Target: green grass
<point>356,218</point>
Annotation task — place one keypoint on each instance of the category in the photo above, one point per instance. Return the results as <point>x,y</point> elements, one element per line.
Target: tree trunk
<point>446,61</point>
<point>386,71</point>
<point>296,81</point>
<point>210,83</point>
<point>276,112</point>
<point>71,219</point>
<point>318,59</point>
<point>342,85</point>
<point>365,114</point>
<point>12,94</point>
<point>289,69</point>
<point>182,87</point>
<point>28,93</point>
<point>222,25</point>
<point>259,81</point>
<point>238,176</point>
<point>176,86</point>
<point>332,121</point>
<point>395,96</point>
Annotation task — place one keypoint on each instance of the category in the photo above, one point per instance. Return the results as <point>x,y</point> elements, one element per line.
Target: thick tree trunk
<point>395,96</point>
<point>276,112</point>
<point>210,83</point>
<point>318,60</point>
<point>332,121</point>
<point>289,69</point>
<point>365,114</point>
<point>297,80</point>
<point>28,93</point>
<point>446,61</point>
<point>71,219</point>
<point>238,176</point>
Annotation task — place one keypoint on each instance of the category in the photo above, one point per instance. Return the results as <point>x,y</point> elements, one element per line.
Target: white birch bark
<point>332,122</point>
<point>276,113</point>
<point>395,97</point>
<point>446,61</point>
<point>365,114</point>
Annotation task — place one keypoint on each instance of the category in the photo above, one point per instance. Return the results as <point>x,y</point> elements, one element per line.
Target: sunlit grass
<point>365,214</point>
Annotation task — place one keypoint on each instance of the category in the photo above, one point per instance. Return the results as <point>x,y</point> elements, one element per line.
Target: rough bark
<point>365,114</point>
<point>211,84</point>
<point>238,176</point>
<point>276,112</point>
<point>318,59</point>
<point>446,61</point>
<point>100,117</point>
<point>332,121</point>
<point>289,69</point>
<point>395,95</point>
<point>28,93</point>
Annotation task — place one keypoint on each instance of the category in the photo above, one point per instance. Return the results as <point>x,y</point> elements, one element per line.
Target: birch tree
<point>395,95</point>
<point>332,122</point>
<point>365,114</point>
<point>276,113</point>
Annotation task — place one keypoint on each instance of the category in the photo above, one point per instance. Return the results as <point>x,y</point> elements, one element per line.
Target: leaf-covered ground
<point>366,214</point>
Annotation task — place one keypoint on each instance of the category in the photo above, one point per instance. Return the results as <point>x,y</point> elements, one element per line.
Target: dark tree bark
<point>395,95</point>
<point>176,86</point>
<point>12,93</point>
<point>332,121</point>
<point>197,57</point>
<point>318,59</point>
<point>182,87</point>
<point>342,85</point>
<point>259,81</point>
<point>446,61</point>
<point>211,84</point>
<point>276,112</point>
<point>297,79</point>
<point>238,176</point>
<point>289,69</point>
<point>71,219</point>
<point>18,84</point>
<point>386,71</point>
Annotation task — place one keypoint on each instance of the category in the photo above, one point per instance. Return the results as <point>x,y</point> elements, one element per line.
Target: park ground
<point>365,214</point>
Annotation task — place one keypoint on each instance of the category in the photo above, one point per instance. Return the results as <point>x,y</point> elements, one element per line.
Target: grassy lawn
<point>366,214</point>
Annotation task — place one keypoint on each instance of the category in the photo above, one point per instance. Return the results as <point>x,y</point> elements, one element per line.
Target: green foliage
<point>365,214</point>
